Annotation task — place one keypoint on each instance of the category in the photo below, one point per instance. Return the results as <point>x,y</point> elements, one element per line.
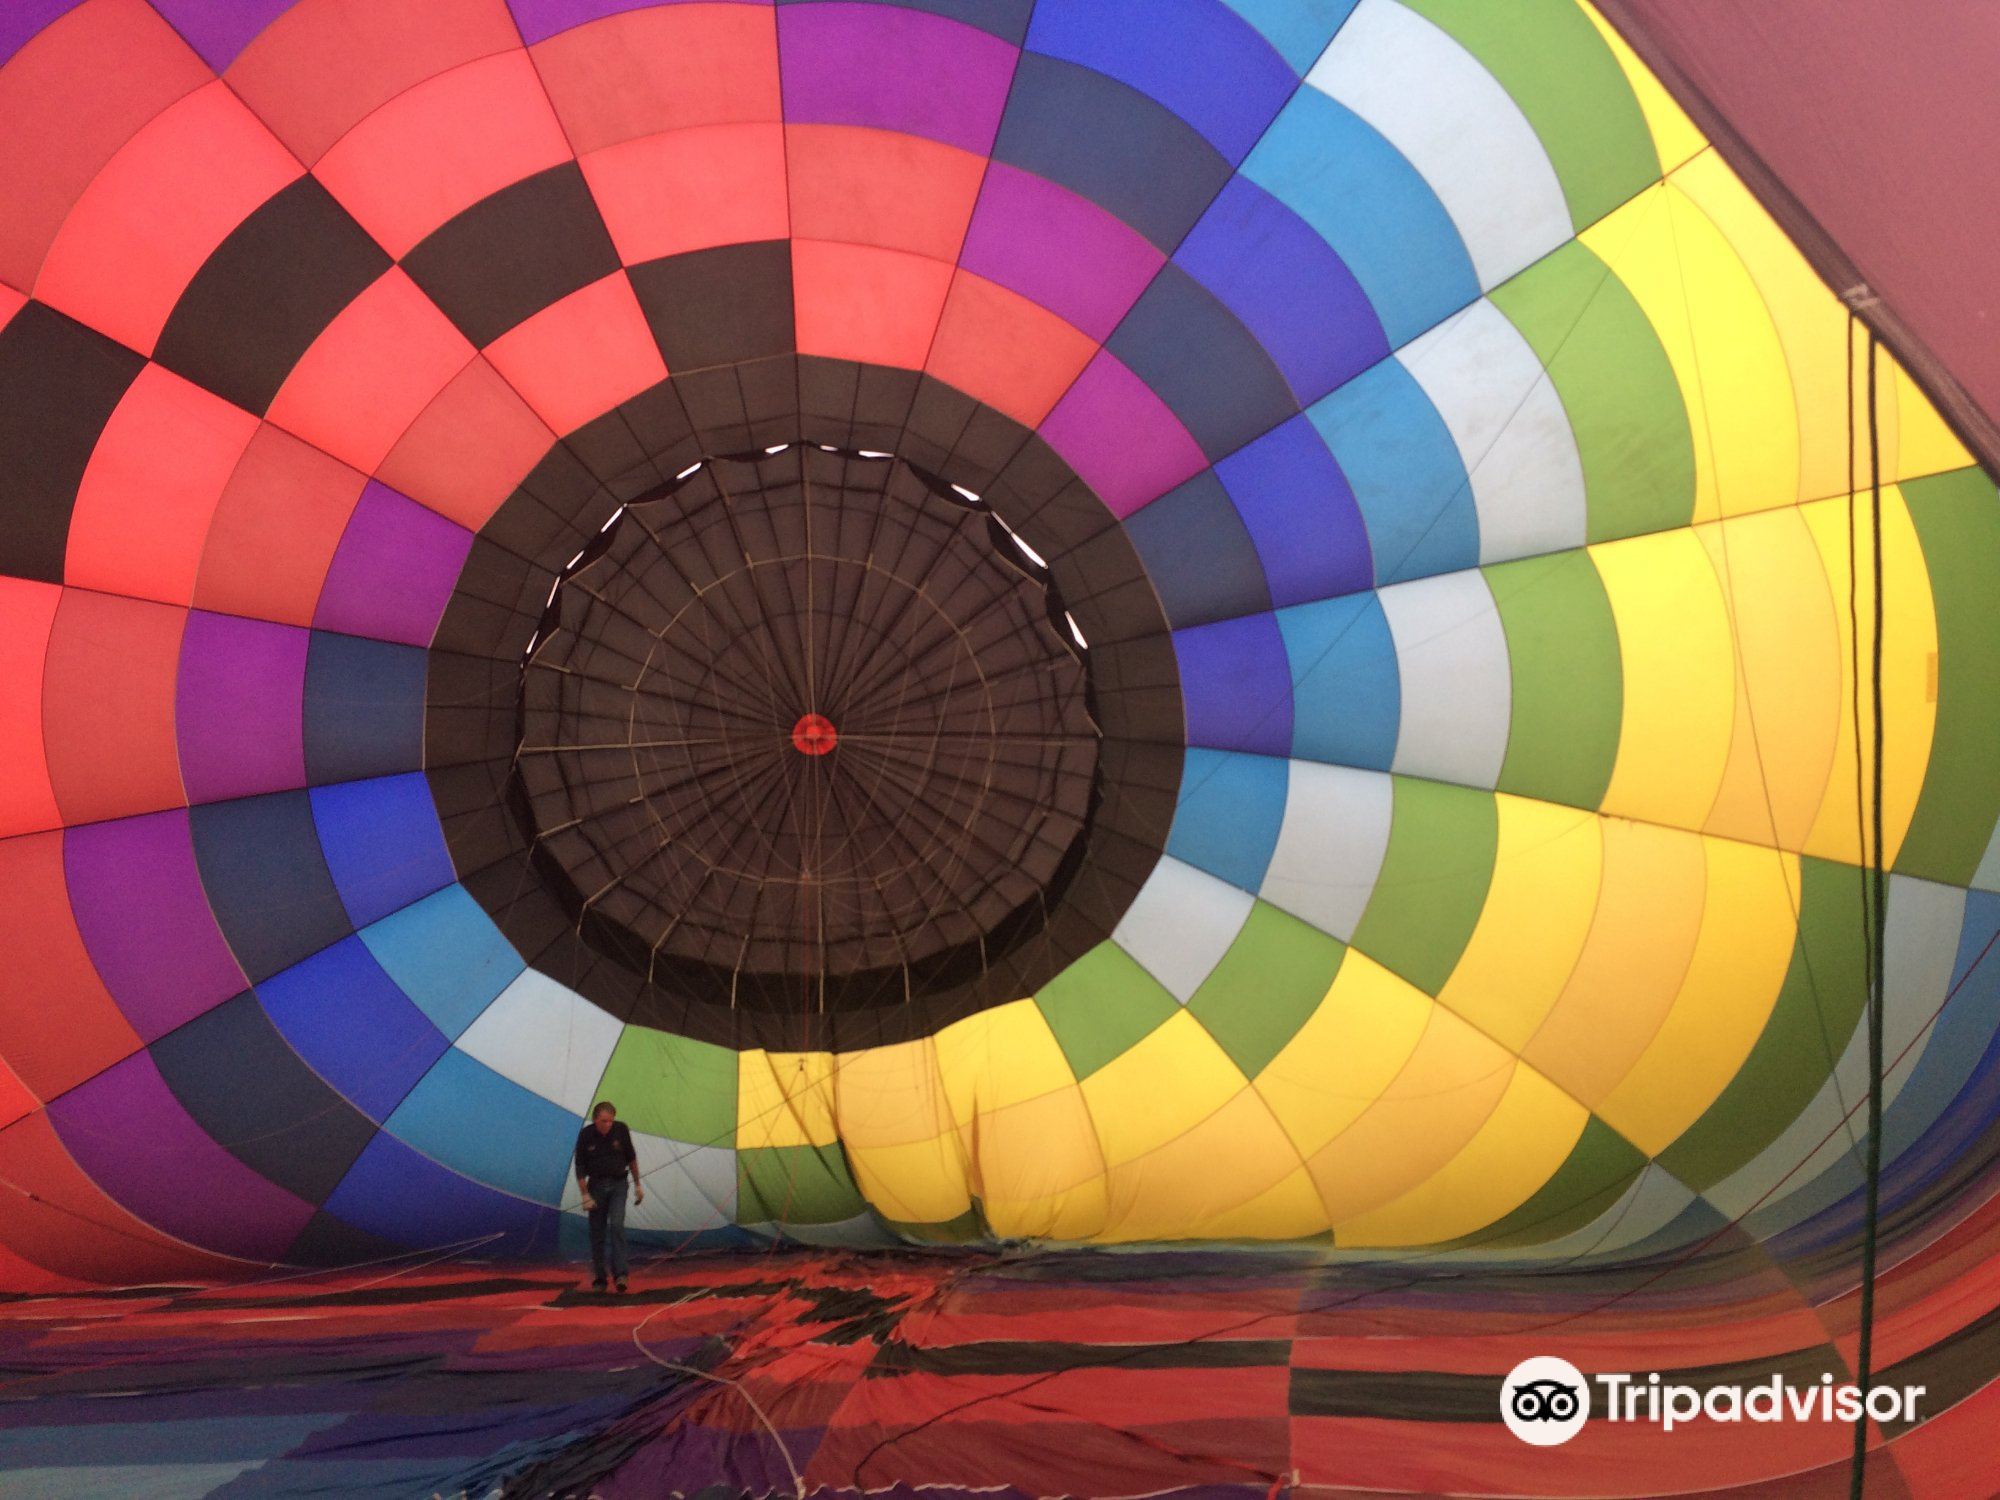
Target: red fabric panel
<point>58,1024</point>
<point>1877,122</point>
<point>877,187</point>
<point>275,530</point>
<point>151,488</point>
<point>27,613</point>
<point>468,450</point>
<point>146,223</point>
<point>325,64</point>
<point>857,302</point>
<point>108,707</point>
<point>68,100</point>
<point>1000,348</point>
<point>691,189</point>
<point>581,356</point>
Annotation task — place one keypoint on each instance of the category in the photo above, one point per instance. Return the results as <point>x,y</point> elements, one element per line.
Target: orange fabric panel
<point>58,1024</point>
<point>578,358</point>
<point>645,71</point>
<point>151,488</point>
<point>75,1227</point>
<point>275,529</point>
<point>858,302</point>
<point>325,64</point>
<point>27,614</point>
<point>442,146</point>
<point>68,100</point>
<point>108,706</point>
<point>691,189</point>
<point>879,187</point>
<point>1007,351</point>
<point>469,449</point>
<point>16,1099</point>
<point>365,379</point>
<point>145,224</point>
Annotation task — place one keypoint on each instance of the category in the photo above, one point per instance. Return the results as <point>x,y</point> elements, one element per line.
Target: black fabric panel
<point>267,292</point>
<point>509,256</point>
<point>267,881</point>
<point>329,1241</point>
<point>59,383</point>
<point>716,307</point>
<point>1396,1395</point>
<point>1110,144</point>
<point>1199,554</point>
<point>1006,19</point>
<point>364,708</point>
<point>240,1081</point>
<point>1203,363</point>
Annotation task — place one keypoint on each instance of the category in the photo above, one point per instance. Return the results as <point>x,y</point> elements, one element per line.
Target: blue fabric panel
<point>1198,555</point>
<point>1405,471</point>
<point>465,1116</point>
<point>1287,285</point>
<point>1365,199</point>
<point>403,1196</point>
<point>364,708</point>
<point>1236,685</point>
<point>1347,695</point>
<point>1111,145</point>
<point>269,887</point>
<point>1197,57</point>
<point>1299,29</point>
<point>382,843</point>
<point>1230,810</point>
<point>1300,513</point>
<point>1202,362</point>
<point>354,1028</point>
<point>445,953</point>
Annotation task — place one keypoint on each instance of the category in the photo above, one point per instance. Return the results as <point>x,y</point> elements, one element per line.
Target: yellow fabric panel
<point>1788,702</point>
<point>1748,926</point>
<point>1349,1050</point>
<point>1434,1106</point>
<point>1292,1210</point>
<point>1530,1133</point>
<point>1675,137</point>
<point>920,1182</point>
<point>784,1099</point>
<point>891,1096</point>
<point>1680,677</point>
<point>1722,345</point>
<point>999,1057</point>
<point>1641,939</point>
<point>1925,445</point>
<point>1165,1085</point>
<point>1208,1175</point>
<point>1037,1170</point>
<point>1546,871</point>
<point>1909,639</point>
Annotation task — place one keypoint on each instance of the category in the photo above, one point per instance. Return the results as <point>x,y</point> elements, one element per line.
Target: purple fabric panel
<point>394,571</point>
<point>145,920</point>
<point>131,1136</point>
<point>22,20</point>
<point>1120,438</point>
<point>846,64</point>
<point>238,708</point>
<point>1057,249</point>
<point>219,29</point>
<point>541,19</point>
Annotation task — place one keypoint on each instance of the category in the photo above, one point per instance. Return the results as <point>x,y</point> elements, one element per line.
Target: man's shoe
<point>621,1286</point>
<point>597,1285</point>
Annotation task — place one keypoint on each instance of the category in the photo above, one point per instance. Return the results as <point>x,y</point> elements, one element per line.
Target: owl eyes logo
<point>1545,1401</point>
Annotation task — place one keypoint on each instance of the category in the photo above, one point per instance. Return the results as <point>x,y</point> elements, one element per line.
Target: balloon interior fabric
<point>1285,622</point>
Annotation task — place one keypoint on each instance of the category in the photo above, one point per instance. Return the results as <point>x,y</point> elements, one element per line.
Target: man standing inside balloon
<point>604,1157</point>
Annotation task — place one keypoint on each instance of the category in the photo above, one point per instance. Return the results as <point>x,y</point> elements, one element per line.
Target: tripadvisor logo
<point>1546,1401</point>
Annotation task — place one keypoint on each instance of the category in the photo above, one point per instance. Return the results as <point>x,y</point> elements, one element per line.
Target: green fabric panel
<point>1102,1004</point>
<point>1433,882</point>
<point>1562,76</point>
<point>673,1086</point>
<point>1601,1166</point>
<point>1569,686</point>
<point>1958,527</point>
<point>1273,976</point>
<point>1818,1007</point>
<point>795,1185</point>
<point>1617,388</point>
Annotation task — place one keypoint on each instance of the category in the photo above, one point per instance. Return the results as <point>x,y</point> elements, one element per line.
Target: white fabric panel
<point>1654,1200</point>
<point>1457,695</point>
<point>547,1038</point>
<point>1181,923</point>
<point>1330,845</point>
<point>1512,433</point>
<point>1435,103</point>
<point>1987,876</point>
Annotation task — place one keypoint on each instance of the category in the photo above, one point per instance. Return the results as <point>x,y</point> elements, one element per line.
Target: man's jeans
<point>609,1194</point>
